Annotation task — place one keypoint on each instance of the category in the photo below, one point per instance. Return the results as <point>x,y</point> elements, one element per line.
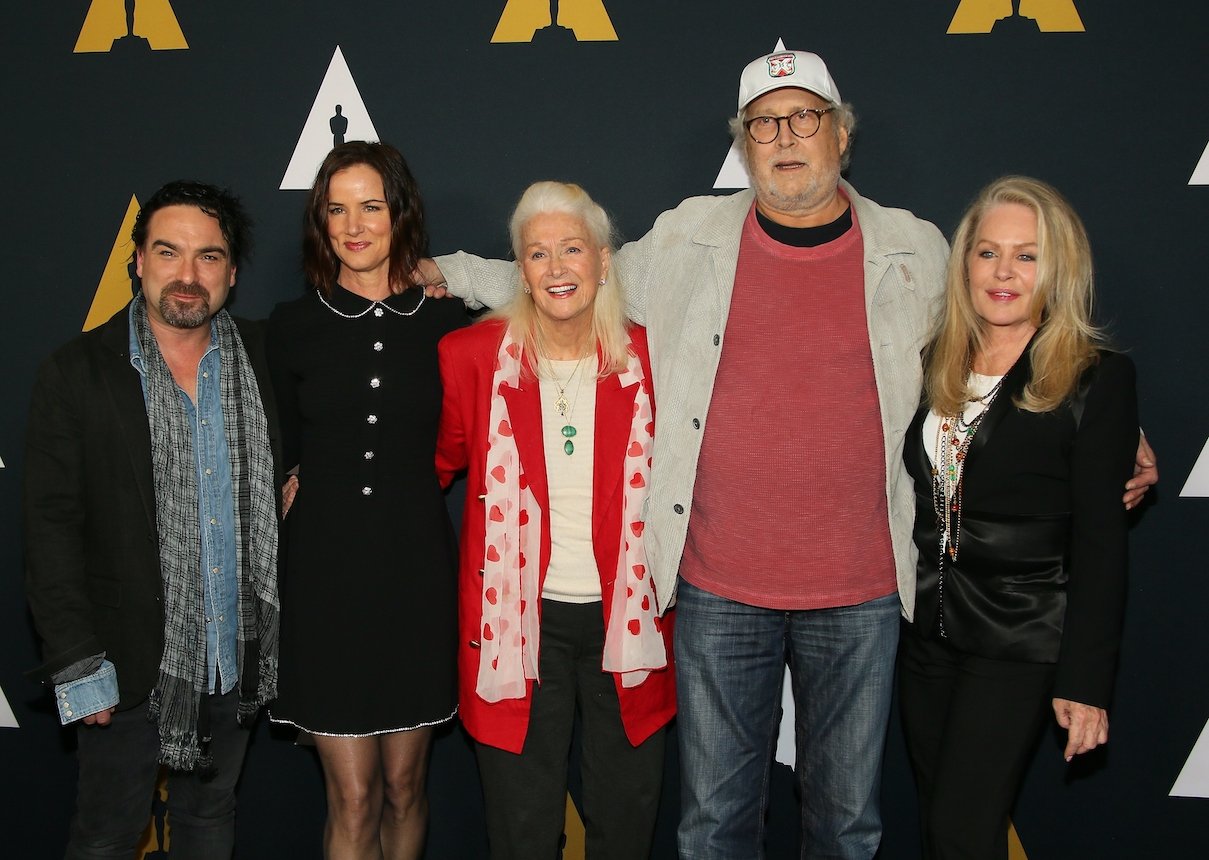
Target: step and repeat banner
<point>106,100</point>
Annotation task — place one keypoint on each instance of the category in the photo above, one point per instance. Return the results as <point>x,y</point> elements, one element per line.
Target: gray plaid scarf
<point>179,700</point>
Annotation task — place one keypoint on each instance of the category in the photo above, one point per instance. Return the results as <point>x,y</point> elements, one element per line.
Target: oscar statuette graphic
<point>130,25</point>
<point>1046,16</point>
<point>551,21</point>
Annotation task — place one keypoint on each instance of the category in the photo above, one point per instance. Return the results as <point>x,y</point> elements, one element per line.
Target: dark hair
<point>219,203</point>
<point>408,237</point>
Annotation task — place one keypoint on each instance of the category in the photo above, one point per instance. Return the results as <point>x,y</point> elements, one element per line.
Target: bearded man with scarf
<point>151,535</point>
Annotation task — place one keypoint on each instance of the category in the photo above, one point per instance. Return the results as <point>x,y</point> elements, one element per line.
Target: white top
<point>571,576</point>
<point>979,386</point>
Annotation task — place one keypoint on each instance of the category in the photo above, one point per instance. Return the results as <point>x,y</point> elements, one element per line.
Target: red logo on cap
<point>780,65</point>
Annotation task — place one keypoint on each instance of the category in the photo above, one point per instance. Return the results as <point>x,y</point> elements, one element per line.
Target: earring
<point>526,291</point>
<point>601,282</point>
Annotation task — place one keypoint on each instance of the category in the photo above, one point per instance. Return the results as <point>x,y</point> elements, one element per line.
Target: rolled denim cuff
<point>88,695</point>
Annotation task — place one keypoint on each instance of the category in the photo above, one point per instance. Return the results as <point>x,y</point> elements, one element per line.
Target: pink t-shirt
<point>789,506</point>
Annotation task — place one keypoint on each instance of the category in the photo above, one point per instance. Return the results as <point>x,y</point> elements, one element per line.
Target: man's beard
<point>820,186</point>
<point>184,314</point>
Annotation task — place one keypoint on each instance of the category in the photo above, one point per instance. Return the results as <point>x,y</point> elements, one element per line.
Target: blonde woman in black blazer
<point>1026,435</point>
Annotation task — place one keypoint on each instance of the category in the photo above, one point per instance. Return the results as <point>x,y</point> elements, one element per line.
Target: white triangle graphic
<point>1200,176</point>
<point>318,135</point>
<point>1198,479</point>
<point>787,744</point>
<point>733,174</point>
<point>8,720</point>
<point>1193,780</point>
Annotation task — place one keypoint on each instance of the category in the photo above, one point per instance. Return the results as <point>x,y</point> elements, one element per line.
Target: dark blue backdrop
<point>1115,116</point>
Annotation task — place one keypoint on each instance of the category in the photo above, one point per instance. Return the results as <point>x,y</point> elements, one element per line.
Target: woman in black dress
<point>368,612</point>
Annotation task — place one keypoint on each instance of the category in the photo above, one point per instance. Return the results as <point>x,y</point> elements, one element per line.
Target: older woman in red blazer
<point>548,408</point>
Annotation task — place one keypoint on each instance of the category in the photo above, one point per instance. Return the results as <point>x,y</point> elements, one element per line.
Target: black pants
<point>971,724</point>
<point>526,794</point>
<point>118,772</point>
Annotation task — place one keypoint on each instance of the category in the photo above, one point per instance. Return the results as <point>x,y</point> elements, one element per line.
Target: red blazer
<point>467,359</point>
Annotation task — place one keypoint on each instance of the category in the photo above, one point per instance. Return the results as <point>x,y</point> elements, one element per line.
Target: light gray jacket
<point>678,280</point>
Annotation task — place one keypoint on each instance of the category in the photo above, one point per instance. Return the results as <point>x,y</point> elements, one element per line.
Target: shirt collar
<point>136,348</point>
<point>345,302</point>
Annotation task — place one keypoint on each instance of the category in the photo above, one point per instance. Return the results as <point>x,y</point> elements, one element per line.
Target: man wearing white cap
<point>785,325</point>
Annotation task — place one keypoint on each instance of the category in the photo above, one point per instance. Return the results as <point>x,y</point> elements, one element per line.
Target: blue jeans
<point>730,660</point>
<point>118,772</point>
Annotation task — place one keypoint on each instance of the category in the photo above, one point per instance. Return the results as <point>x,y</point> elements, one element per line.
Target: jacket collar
<point>614,406</point>
<point>349,303</point>
<point>916,456</point>
<point>723,226</point>
<point>125,388</point>
<point>882,233</point>
<point>1005,401</point>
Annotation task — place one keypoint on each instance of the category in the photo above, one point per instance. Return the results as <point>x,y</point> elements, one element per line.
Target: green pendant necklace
<point>566,408</point>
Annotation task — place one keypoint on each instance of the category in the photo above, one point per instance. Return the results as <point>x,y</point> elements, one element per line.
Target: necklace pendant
<point>568,431</point>
<point>561,404</point>
<point>569,447</point>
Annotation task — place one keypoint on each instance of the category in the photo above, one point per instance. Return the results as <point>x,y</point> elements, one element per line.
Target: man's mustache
<point>180,288</point>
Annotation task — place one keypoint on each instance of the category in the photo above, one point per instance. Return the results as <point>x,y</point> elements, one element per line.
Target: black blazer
<point>1040,572</point>
<point>91,544</point>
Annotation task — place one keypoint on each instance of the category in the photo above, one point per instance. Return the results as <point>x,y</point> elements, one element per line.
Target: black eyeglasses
<point>804,123</point>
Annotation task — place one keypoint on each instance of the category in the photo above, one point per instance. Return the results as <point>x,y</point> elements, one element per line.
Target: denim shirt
<point>216,515</point>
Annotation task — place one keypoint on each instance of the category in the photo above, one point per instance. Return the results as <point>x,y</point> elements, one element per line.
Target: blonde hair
<point>1066,342</point>
<point>608,309</point>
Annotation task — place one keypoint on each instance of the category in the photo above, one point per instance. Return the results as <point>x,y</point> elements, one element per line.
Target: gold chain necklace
<point>565,408</point>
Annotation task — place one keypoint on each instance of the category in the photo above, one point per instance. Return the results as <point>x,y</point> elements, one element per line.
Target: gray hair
<point>608,310</point>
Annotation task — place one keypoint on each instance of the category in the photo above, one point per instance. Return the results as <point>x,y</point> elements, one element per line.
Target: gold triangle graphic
<point>1015,848</point>
<point>1052,16</point>
<point>106,22</point>
<point>587,19</point>
<point>114,290</point>
<point>574,830</point>
<point>155,21</point>
<point>156,839</point>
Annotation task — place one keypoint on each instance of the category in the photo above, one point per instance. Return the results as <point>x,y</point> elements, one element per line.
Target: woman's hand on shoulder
<point>1086,726</point>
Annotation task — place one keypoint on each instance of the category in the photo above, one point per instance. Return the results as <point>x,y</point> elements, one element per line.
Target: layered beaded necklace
<point>953,437</point>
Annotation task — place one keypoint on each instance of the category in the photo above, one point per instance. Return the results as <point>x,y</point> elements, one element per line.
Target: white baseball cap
<point>800,69</point>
